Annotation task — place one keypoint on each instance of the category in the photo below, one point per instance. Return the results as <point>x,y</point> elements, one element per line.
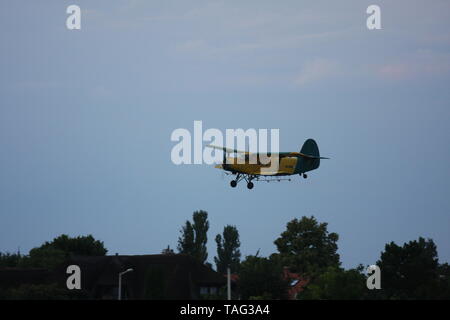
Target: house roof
<point>182,273</point>
<point>296,284</point>
<point>15,276</point>
<point>179,275</point>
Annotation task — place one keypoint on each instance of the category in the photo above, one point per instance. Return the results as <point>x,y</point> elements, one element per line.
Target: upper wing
<point>280,155</point>
<point>227,150</point>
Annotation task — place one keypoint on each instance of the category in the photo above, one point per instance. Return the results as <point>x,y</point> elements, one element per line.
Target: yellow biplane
<point>252,166</point>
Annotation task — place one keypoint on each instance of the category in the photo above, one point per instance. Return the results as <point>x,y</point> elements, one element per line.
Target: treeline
<point>52,254</point>
<point>306,248</point>
<point>48,256</point>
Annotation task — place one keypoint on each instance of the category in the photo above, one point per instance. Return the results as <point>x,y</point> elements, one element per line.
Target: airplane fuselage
<point>286,166</point>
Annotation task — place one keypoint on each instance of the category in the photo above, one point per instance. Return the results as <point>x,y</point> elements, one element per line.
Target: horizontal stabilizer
<point>300,155</point>
<point>311,157</point>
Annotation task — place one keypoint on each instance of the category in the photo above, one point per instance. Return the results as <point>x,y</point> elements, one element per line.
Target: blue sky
<point>86,118</point>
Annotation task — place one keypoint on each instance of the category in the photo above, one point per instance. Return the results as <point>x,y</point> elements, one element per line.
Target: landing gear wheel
<point>305,175</point>
<point>250,185</point>
<point>233,183</point>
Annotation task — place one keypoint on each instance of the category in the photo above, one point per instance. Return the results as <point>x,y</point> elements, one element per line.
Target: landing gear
<point>233,183</point>
<point>240,177</point>
<point>305,176</point>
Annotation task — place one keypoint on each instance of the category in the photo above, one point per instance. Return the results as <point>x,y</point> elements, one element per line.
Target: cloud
<point>422,63</point>
<point>209,49</point>
<point>317,69</point>
<point>395,71</point>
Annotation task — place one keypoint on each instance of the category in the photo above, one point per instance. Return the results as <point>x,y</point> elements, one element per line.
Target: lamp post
<point>120,281</point>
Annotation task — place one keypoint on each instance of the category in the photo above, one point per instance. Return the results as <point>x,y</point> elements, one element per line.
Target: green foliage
<point>193,237</point>
<point>228,253</point>
<point>187,239</point>
<point>307,247</point>
<point>261,278</point>
<point>81,245</point>
<point>10,260</point>
<point>444,282</point>
<point>412,271</point>
<point>51,254</point>
<point>50,291</point>
<point>44,257</point>
<point>336,284</point>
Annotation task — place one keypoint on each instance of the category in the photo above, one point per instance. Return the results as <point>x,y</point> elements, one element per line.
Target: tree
<point>444,282</point>
<point>51,254</point>
<point>194,236</point>
<point>228,253</point>
<point>413,271</point>
<point>261,278</point>
<point>81,245</point>
<point>10,260</point>
<point>307,247</point>
<point>337,284</point>
<point>186,240</point>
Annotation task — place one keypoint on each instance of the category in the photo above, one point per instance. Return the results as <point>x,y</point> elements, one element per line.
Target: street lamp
<point>120,281</point>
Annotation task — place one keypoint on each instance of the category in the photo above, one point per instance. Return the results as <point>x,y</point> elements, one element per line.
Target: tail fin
<point>310,156</point>
<point>310,149</point>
